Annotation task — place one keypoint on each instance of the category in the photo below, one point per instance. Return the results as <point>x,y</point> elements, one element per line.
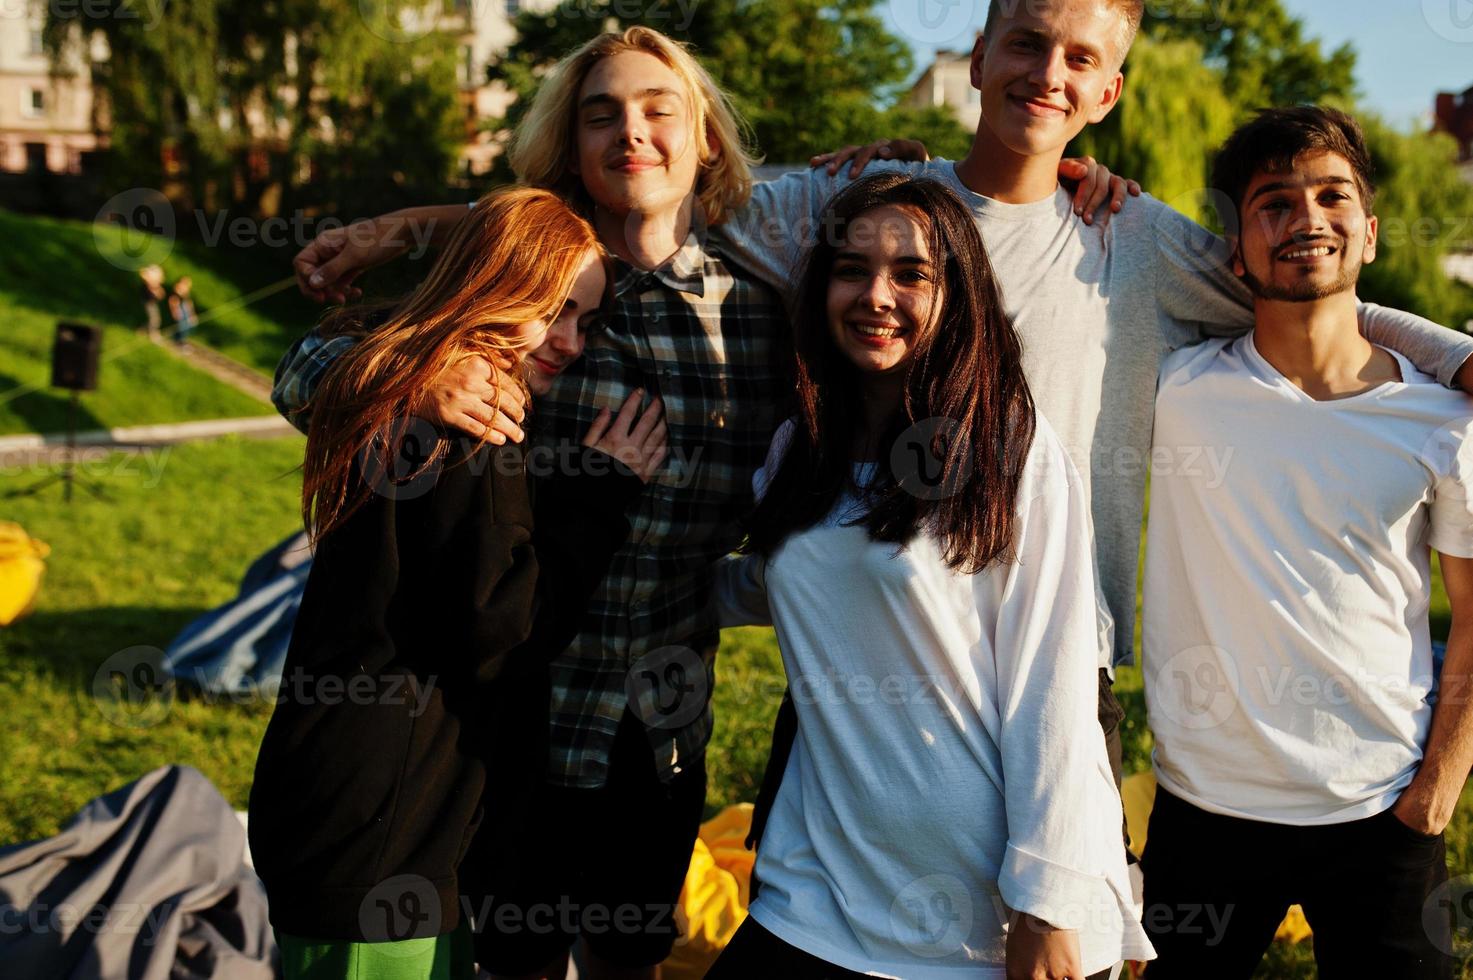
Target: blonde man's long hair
<point>511,261</point>
<point>544,143</point>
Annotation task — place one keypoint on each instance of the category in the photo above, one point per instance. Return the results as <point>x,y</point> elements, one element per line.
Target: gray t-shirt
<point>1096,310</point>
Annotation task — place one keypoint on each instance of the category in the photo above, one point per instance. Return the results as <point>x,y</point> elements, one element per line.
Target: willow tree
<point>1172,116</point>
<point>235,102</point>
<point>807,75</point>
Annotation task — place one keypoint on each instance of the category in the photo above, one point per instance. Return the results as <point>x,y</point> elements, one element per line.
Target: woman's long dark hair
<point>966,401</point>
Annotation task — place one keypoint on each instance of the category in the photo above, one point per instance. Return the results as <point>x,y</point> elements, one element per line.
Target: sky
<point>1407,50</point>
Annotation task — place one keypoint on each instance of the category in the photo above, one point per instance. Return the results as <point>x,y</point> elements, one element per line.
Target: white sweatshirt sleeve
<point>1046,649</point>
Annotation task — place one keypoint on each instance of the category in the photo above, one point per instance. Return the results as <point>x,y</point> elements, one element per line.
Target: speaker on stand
<point>75,355</point>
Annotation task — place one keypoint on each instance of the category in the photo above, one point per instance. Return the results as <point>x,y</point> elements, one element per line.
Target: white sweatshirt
<point>949,761</point>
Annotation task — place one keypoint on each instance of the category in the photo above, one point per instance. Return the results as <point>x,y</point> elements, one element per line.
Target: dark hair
<point>1275,138</point>
<point>1134,11</point>
<point>967,372</point>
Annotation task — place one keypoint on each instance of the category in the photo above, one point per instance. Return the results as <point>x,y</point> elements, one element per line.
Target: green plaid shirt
<point>699,333</point>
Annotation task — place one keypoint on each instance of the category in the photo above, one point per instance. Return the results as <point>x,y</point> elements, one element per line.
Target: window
<point>513,7</point>
<point>38,46</point>
<point>34,103</point>
<point>36,158</point>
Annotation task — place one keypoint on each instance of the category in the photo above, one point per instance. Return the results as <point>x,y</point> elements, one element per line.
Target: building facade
<point>947,81</point>
<point>47,121</point>
<point>1453,114</point>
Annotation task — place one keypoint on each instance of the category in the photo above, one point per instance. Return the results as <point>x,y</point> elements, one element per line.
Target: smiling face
<point>883,290</point>
<point>1305,234</point>
<point>636,135</point>
<point>1046,71</point>
<point>555,346</point>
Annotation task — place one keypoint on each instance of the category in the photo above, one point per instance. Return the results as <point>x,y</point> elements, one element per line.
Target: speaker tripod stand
<point>67,476</point>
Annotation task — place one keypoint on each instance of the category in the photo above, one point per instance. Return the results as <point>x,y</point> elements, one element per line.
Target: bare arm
<point>1427,804</point>
<point>327,267</point>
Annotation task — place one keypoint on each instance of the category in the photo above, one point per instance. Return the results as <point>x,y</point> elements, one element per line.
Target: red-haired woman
<point>437,594</point>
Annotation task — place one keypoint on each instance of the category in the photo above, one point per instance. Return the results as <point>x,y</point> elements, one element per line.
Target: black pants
<point>755,952</point>
<point>607,864</point>
<point>1217,888</point>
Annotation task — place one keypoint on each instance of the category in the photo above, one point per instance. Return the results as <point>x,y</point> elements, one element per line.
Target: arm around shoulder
<point>1434,349</point>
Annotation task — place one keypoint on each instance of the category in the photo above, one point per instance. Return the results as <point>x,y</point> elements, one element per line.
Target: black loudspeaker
<point>74,357</point>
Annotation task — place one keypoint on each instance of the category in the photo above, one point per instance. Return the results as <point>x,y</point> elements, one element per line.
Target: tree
<point>1425,211</point>
<point>808,75</point>
<point>201,97</point>
<point>1261,50</point>
<point>1172,116</point>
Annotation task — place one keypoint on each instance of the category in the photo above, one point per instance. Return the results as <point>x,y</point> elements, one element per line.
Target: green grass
<point>52,269</point>
<point>174,541</point>
<point>181,527</point>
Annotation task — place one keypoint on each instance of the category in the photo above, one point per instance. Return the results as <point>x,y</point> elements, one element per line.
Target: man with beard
<point>1304,751</point>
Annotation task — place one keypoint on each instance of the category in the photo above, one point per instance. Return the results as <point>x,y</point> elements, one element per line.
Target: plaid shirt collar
<point>685,271</point>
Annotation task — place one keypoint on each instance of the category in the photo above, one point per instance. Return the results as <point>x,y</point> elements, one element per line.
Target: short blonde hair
<point>543,144</point>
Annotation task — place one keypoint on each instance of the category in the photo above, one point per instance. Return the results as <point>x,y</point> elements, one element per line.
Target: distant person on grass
<point>181,308</point>
<point>152,292</point>
<point>631,129</point>
<point>418,663</point>
<point>1304,748</point>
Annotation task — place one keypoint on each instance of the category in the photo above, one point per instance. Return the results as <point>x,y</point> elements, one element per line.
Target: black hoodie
<point>416,682</point>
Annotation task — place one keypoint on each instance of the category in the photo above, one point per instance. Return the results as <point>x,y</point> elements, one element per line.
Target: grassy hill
<point>51,269</point>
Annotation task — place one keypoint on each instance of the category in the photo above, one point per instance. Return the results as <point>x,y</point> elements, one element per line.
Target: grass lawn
<point>180,530</point>
<point>51,269</point>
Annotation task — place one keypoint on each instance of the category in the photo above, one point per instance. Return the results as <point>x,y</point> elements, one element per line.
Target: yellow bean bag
<point>713,902</point>
<point>21,568</point>
<point>714,899</point>
<point>1138,792</point>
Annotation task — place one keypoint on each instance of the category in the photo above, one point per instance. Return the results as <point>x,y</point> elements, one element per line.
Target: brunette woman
<point>435,597</point>
<point>923,548</point>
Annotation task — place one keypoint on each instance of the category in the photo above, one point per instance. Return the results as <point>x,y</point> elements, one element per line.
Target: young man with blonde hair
<point>633,130</point>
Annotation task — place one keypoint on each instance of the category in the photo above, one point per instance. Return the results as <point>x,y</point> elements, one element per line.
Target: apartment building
<point>47,121</point>
<point>947,81</point>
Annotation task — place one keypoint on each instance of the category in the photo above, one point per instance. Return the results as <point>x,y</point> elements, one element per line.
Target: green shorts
<point>447,957</point>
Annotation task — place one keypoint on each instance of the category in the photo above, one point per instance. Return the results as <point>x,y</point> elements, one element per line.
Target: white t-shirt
<point>948,756</point>
<point>1286,651</point>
